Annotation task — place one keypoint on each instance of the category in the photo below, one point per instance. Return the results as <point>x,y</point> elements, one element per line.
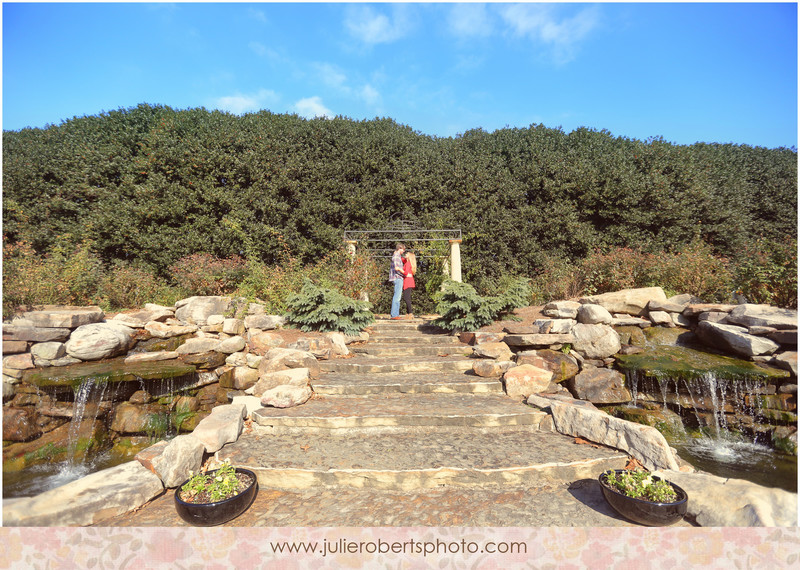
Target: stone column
<point>455,260</point>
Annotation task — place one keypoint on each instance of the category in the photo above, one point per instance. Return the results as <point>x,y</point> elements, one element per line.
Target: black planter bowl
<point>211,514</point>
<point>645,512</point>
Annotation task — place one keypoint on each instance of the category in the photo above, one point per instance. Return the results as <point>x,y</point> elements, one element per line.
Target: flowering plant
<point>216,486</point>
<point>640,484</point>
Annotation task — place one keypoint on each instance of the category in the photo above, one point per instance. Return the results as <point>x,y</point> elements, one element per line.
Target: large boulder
<point>279,359</point>
<point>286,396</point>
<point>19,424</point>
<point>495,350</point>
<point>34,334</point>
<point>595,341</point>
<point>645,443</point>
<point>264,322</point>
<point>590,314</point>
<point>553,326</point>
<point>763,315</point>
<point>138,319</point>
<point>292,377</point>
<point>224,425</point>
<point>261,342</point>
<point>87,501</point>
<point>100,340</point>
<point>561,309</point>
<point>600,386</point>
<point>488,368</point>
<point>167,330</point>
<point>563,366</point>
<point>628,301</point>
<point>196,310</point>
<point>719,502</point>
<point>55,316</point>
<point>734,339</point>
<point>199,345</point>
<point>522,381</point>
<point>177,460</point>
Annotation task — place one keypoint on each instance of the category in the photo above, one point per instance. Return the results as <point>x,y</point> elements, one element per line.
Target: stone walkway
<point>403,434</point>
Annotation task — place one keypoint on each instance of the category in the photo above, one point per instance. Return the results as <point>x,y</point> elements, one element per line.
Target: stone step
<point>419,459</point>
<point>405,383</point>
<point>411,325</point>
<point>403,410</point>
<point>366,364</point>
<point>394,350</point>
<point>416,338</point>
<point>579,504</point>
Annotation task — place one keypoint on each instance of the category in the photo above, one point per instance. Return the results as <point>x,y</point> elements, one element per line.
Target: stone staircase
<point>405,414</point>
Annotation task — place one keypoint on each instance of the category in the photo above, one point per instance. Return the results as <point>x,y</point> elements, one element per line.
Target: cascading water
<point>87,394</point>
<point>78,462</point>
<point>728,437</point>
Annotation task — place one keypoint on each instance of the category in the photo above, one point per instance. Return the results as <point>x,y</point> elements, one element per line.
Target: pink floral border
<point>222,548</point>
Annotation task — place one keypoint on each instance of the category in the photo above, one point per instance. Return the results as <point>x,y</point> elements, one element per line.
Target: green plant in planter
<point>211,488</point>
<point>640,484</point>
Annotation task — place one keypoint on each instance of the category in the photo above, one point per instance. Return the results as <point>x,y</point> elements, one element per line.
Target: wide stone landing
<point>405,383</point>
<point>379,365</point>
<point>392,410</point>
<point>421,458</point>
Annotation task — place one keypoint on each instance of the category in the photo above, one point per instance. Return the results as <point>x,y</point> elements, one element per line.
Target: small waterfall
<point>729,429</point>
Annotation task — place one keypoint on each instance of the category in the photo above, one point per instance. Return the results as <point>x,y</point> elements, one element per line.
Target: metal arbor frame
<point>380,243</point>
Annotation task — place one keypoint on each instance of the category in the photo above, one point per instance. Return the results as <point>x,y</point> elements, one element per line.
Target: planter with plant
<point>214,497</point>
<point>643,498</point>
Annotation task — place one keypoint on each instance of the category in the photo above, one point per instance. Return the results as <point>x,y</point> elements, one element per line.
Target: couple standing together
<point>401,274</point>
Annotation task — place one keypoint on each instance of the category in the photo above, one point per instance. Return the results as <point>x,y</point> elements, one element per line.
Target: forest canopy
<point>152,185</point>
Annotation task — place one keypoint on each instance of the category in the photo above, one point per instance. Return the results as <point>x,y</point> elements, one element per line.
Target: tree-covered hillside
<point>154,184</point>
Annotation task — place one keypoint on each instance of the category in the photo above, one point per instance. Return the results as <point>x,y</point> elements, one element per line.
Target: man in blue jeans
<point>396,276</point>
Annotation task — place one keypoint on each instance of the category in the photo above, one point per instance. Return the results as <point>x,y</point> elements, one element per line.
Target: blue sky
<point>719,72</point>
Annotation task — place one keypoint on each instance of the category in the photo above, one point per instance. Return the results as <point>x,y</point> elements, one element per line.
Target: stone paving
<point>576,504</point>
<point>412,440</point>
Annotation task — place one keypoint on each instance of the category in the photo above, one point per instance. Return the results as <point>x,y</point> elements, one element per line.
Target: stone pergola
<point>381,242</point>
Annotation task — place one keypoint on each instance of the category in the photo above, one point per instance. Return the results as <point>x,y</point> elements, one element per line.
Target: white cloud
<point>543,23</point>
<point>370,95</point>
<point>469,20</point>
<point>239,103</point>
<point>257,15</point>
<point>258,48</point>
<point>311,107</point>
<point>331,75</point>
<point>373,27</point>
<point>335,78</point>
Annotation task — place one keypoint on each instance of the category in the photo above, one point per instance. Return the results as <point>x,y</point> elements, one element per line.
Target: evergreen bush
<point>320,309</point>
<point>462,309</point>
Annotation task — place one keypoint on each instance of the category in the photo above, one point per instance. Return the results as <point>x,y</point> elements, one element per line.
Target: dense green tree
<point>152,184</point>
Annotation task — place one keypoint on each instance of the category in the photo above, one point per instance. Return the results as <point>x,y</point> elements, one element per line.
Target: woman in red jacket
<point>409,269</point>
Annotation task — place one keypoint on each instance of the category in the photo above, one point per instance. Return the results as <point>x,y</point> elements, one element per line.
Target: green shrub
<point>619,268</point>
<point>694,270</point>
<point>205,274</point>
<point>767,272</point>
<point>351,275</point>
<point>557,279</point>
<point>462,309</point>
<point>126,286</point>
<point>67,275</point>
<point>317,308</point>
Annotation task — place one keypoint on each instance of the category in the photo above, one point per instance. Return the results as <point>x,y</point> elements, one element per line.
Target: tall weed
<point>205,274</point>
<point>767,272</point>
